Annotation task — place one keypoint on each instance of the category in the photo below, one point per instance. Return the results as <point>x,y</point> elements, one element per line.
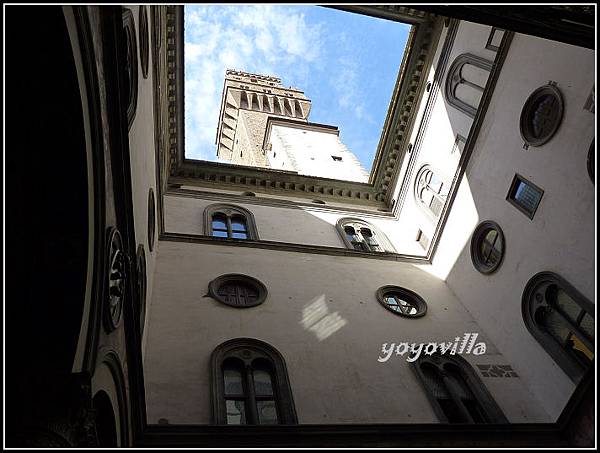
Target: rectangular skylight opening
<point>288,87</point>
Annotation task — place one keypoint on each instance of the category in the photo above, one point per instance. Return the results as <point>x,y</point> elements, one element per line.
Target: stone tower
<point>263,124</point>
<point>248,100</point>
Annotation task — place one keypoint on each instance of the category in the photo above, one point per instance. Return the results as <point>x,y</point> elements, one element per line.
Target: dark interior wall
<point>46,208</point>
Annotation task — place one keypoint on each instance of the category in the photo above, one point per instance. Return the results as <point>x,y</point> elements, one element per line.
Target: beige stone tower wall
<point>248,100</point>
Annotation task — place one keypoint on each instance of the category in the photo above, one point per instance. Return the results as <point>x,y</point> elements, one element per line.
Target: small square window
<point>524,195</point>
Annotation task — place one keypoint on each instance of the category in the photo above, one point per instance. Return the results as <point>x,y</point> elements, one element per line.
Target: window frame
<point>478,236</point>
<point>411,296</point>
<point>493,412</point>
<point>382,241</point>
<point>532,295</point>
<point>215,285</point>
<point>230,211</point>
<point>527,135</point>
<point>454,78</point>
<point>511,194</point>
<point>249,350</point>
<point>418,188</point>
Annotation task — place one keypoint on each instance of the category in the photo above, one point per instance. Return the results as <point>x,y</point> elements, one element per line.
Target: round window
<point>541,115</point>
<point>402,301</point>
<point>237,290</point>
<point>487,247</point>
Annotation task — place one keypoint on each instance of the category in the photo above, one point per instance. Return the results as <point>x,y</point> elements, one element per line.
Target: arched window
<point>360,235</point>
<point>466,82</point>
<point>561,319</point>
<point>431,191</point>
<point>250,385</point>
<point>455,391</point>
<point>229,221</point>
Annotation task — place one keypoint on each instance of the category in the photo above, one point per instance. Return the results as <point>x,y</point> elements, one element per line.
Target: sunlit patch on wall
<point>317,318</point>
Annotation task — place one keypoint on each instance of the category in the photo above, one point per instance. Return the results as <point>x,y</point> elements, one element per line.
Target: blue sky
<point>345,63</point>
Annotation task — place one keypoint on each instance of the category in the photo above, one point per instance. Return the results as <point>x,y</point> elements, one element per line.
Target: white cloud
<point>254,38</point>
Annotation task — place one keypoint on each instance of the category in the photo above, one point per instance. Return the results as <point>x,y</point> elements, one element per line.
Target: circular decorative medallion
<point>151,219</point>
<point>116,279</point>
<point>237,290</point>
<point>402,301</point>
<point>144,42</point>
<point>142,284</point>
<point>487,247</point>
<point>541,115</point>
<point>131,64</point>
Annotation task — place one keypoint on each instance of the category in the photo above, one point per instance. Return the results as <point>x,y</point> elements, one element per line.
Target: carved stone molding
<point>455,78</point>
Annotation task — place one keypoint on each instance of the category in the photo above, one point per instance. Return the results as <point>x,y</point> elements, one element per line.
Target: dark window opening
<point>524,195</point>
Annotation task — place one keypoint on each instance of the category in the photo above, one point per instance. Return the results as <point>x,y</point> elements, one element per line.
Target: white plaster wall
<point>322,315</point>
<point>298,225</point>
<point>142,156</point>
<point>309,152</point>
<point>560,238</point>
<point>445,122</point>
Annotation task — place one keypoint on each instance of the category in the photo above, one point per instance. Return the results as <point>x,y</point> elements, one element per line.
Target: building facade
<point>284,292</point>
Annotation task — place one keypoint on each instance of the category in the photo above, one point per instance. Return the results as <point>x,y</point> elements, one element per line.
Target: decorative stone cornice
<point>401,115</point>
<point>403,106</point>
<point>237,177</point>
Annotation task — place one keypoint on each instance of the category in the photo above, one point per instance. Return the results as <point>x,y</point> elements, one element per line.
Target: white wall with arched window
<point>229,221</point>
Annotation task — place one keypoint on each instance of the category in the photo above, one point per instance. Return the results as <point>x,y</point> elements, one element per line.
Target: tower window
<point>228,221</point>
<point>237,290</point>
<point>337,158</point>
<point>487,247</point>
<point>524,195</point>
<point>250,385</point>
<point>456,393</point>
<point>402,301</point>
<point>561,320</point>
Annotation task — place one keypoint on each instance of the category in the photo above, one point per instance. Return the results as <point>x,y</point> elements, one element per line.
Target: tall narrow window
<point>431,191</point>
<point>228,221</point>
<point>466,81</point>
<point>455,391</point>
<point>561,319</point>
<point>250,385</point>
<point>359,235</point>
